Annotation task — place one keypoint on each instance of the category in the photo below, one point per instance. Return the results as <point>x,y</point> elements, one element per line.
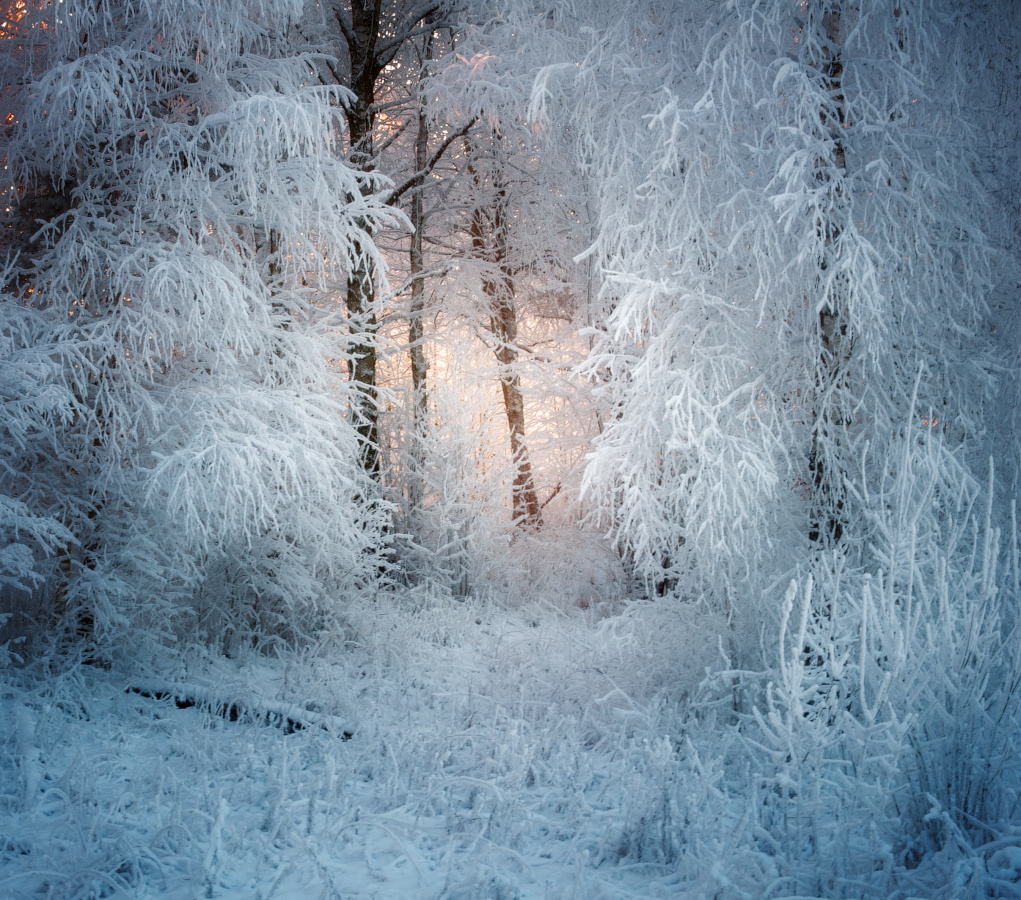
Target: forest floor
<point>449,750</point>
<point>441,749</point>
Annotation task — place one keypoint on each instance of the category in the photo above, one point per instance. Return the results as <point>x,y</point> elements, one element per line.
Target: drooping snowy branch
<point>181,300</point>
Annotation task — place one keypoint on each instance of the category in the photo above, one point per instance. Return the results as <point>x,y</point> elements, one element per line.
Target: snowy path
<point>493,755</point>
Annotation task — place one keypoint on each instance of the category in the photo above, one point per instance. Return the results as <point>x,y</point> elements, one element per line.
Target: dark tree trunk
<point>489,234</point>
<point>373,36</point>
<point>361,34</point>
<point>829,428</point>
<point>419,364</point>
<point>362,321</point>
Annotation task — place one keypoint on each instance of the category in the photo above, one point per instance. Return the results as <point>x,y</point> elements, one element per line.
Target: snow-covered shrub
<point>820,776</point>
<point>881,735</point>
<point>940,626</point>
<point>181,304</point>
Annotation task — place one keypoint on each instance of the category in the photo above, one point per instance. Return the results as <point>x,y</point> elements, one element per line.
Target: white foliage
<point>730,220</point>
<point>789,719</point>
<point>33,405</point>
<point>187,316</point>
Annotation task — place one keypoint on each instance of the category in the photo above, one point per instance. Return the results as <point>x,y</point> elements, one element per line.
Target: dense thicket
<point>710,309</point>
<point>177,445</point>
<point>799,354</point>
<point>795,273</point>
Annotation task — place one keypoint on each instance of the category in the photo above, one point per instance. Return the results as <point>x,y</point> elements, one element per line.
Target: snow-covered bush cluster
<point>643,526</point>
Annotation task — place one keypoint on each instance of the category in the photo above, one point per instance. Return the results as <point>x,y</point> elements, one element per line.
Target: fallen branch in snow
<point>287,717</point>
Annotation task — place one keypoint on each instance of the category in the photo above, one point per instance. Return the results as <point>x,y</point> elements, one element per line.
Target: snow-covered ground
<point>451,750</point>
<point>461,750</point>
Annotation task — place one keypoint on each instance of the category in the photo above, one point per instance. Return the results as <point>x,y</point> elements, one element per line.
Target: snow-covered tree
<point>492,255</point>
<point>790,241</point>
<point>189,390</point>
<point>522,217</point>
<point>376,49</point>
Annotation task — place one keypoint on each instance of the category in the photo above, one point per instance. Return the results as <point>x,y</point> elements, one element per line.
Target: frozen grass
<point>850,735</point>
<point>496,752</point>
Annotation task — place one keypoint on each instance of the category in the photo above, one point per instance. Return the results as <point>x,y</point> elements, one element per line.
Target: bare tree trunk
<point>361,33</point>
<point>416,329</point>
<point>504,325</point>
<point>489,242</point>
<point>419,364</point>
<point>361,316</point>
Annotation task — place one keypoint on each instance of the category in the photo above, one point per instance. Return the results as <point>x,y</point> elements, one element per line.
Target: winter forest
<point>510,449</point>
